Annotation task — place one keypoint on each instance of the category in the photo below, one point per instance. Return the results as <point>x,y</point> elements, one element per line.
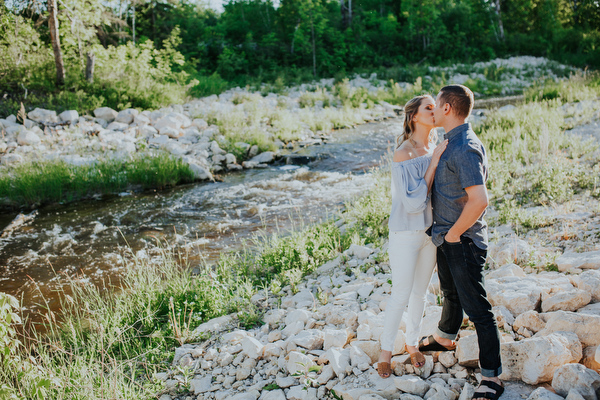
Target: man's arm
<point>476,204</point>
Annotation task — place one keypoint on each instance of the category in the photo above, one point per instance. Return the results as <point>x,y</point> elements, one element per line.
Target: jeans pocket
<point>479,255</point>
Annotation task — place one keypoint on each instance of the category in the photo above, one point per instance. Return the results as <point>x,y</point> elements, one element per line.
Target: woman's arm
<point>435,159</point>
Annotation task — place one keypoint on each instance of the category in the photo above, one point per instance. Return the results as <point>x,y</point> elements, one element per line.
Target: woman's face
<point>424,115</point>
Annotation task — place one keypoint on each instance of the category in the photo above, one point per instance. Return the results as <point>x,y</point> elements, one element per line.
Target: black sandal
<point>433,345</point>
<point>488,395</point>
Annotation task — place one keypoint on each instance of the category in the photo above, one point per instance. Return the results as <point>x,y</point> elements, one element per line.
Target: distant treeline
<point>146,53</point>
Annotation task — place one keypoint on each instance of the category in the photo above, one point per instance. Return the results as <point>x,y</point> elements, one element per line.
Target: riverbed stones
<point>263,158</point>
<point>534,360</point>
<point>576,377</point>
<point>412,384</point>
<point>71,116</point>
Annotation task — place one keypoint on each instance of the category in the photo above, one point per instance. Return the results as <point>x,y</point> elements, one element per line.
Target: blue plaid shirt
<point>463,164</point>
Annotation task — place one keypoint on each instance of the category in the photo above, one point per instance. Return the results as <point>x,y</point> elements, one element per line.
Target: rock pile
<point>323,341</point>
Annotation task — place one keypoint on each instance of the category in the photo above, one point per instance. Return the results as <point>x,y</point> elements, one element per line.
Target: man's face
<point>438,111</point>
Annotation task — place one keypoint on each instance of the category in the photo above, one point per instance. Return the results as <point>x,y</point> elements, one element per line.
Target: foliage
<point>40,183</point>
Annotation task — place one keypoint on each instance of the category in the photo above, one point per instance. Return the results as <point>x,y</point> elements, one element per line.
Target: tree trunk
<point>499,15</point>
<point>89,68</point>
<point>55,38</point>
<point>133,23</point>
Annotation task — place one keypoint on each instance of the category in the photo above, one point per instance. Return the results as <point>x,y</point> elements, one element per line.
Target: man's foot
<point>417,358</point>
<point>384,366</point>
<point>436,343</point>
<point>489,389</point>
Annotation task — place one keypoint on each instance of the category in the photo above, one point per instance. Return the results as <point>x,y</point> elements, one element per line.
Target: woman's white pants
<point>412,259</point>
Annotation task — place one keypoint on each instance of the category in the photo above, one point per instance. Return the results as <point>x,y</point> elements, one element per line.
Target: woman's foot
<point>417,358</point>
<point>384,366</point>
<point>489,388</point>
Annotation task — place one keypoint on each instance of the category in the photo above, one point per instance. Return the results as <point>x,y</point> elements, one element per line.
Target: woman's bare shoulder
<point>403,153</point>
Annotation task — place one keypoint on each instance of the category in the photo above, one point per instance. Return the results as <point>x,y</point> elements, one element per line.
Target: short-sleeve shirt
<point>463,164</point>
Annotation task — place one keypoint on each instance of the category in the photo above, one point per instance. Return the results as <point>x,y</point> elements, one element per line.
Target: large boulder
<point>263,158</point>
<point>534,360</point>
<point>588,281</point>
<point>567,301</point>
<point>578,377</point>
<point>585,326</point>
<point>586,260</point>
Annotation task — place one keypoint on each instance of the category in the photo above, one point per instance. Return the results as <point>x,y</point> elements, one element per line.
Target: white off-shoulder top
<point>411,203</point>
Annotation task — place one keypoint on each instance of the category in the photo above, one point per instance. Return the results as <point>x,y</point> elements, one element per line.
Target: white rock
<point>213,326</point>
<point>588,281</point>
<point>141,120</point>
<point>589,358</point>
<point>534,360</point>
<point>510,250</point>
<point>243,396</point>
<point>200,123</point>
<point>170,132</point>
<point>274,316</point>
<point>234,337</point>
<point>543,394</point>
<point>252,347</point>
<point>292,329</point>
<point>326,374</point>
<point>587,327</point>
<point>467,351</point>
<point>105,113</point>
<point>310,339</point>
<point>201,385</point>
<point>298,362</point>
<point>360,252</point>
<point>447,358</point>
<point>200,172</point>
<point>127,116</point>
<point>339,359</point>
<point>576,376</point>
<point>285,382</point>
<point>529,320</point>
<point>412,384</point>
<point>263,158</point>
<point>28,138</point>
<point>245,370</point>
<point>359,358</point>
<point>334,338</point>
<point>42,115</point>
<point>567,301</point>
<point>518,296</point>
<point>591,309</point>
<point>371,347</point>
<point>297,315</point>
<point>71,116</point>
<point>467,392</point>
<point>298,393</point>
<point>506,270</point>
<point>587,260</point>
<point>277,394</point>
<point>117,126</point>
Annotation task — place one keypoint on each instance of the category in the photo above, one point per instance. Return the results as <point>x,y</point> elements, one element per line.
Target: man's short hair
<point>460,99</point>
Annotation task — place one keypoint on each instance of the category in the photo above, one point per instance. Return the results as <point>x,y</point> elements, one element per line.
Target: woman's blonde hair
<point>410,109</point>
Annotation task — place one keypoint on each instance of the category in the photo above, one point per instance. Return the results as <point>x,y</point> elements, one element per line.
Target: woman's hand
<point>437,152</point>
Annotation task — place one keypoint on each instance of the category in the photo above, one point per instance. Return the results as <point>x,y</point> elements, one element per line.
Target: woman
<point>412,254</point>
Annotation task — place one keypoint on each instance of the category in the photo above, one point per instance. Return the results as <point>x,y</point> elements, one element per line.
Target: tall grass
<point>38,183</point>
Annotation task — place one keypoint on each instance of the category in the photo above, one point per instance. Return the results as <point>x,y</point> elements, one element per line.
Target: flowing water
<point>87,240</point>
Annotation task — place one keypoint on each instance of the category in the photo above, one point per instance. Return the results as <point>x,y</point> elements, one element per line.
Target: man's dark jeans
<point>460,268</point>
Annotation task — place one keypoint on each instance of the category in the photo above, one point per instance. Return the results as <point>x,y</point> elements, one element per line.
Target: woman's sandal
<point>433,345</point>
<point>384,369</point>
<point>499,389</point>
<point>417,359</point>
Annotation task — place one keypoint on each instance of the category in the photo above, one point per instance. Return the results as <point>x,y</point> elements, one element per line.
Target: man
<point>459,200</point>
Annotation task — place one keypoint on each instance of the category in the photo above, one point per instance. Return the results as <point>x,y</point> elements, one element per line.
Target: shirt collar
<point>459,129</point>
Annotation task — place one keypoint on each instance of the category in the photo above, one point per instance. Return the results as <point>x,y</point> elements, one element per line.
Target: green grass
<point>38,183</point>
